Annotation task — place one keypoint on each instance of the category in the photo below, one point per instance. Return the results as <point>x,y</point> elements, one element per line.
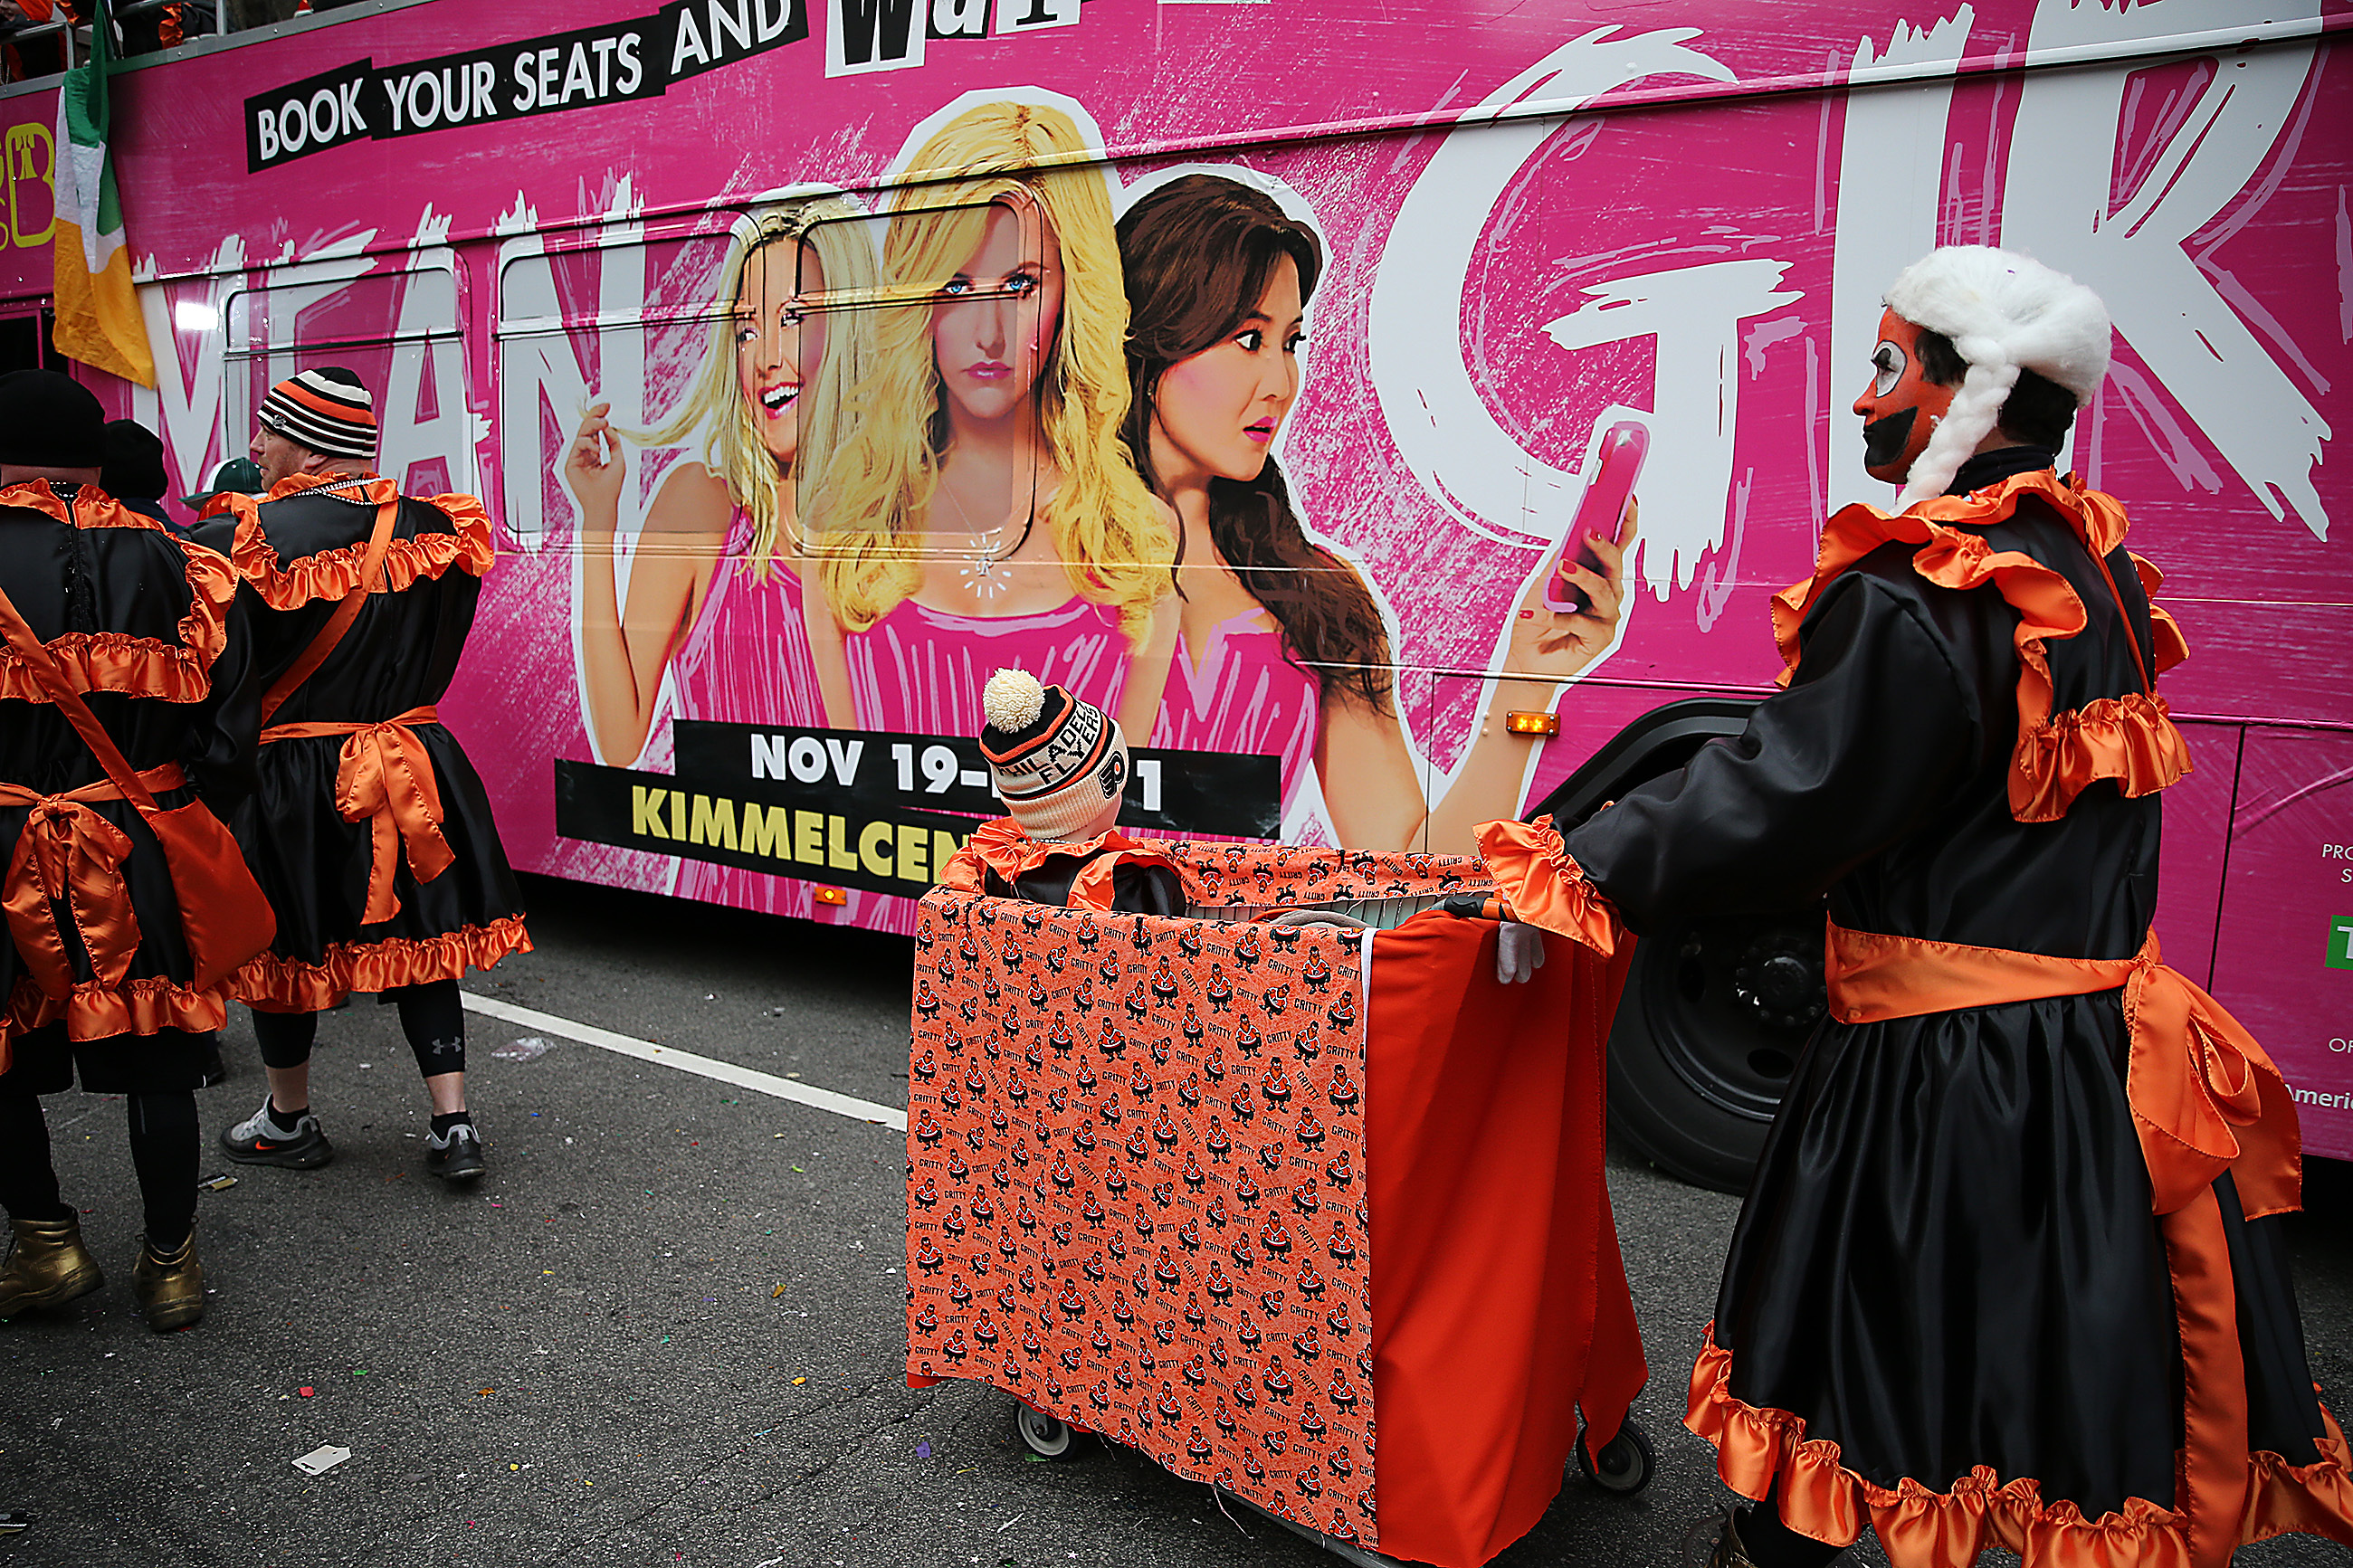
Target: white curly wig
<point>2004,312</point>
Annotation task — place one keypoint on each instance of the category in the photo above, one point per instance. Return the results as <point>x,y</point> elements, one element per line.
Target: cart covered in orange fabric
<point>1242,1195</point>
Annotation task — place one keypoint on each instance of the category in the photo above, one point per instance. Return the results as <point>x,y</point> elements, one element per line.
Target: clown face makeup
<point>1901,407</point>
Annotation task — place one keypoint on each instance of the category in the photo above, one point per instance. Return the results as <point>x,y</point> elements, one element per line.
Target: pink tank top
<point>1245,697</point>
<point>746,658</point>
<point>919,670</point>
<point>746,661</point>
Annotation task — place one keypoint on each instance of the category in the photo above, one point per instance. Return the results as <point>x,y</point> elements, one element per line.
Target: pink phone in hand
<point>1618,461</point>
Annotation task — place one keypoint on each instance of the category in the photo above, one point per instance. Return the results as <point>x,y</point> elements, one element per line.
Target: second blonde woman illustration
<point>982,512</point>
<point>714,585</point>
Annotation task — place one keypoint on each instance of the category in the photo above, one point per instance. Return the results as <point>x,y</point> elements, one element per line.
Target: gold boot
<point>170,1288</point>
<point>48,1267</point>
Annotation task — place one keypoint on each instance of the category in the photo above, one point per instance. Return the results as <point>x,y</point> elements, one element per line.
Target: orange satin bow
<point>2205,1098</point>
<point>384,776</point>
<point>69,853</point>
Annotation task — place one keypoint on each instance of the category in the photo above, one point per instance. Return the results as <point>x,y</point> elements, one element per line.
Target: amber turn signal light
<point>1533,723</point>
<point>831,896</point>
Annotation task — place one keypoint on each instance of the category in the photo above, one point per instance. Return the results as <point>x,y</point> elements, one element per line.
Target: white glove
<point>1519,953</point>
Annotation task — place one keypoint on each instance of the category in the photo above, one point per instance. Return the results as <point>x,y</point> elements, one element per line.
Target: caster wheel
<point>1624,1465</point>
<point>1048,1437</point>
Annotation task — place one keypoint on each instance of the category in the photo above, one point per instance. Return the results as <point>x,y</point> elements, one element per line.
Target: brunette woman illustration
<point>982,512</point>
<point>715,595</point>
<point>1283,649</point>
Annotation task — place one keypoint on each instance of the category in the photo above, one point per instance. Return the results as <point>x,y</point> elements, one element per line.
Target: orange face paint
<point>1901,407</point>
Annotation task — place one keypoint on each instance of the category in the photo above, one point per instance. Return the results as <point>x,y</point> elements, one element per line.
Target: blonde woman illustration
<point>982,512</point>
<point>715,595</point>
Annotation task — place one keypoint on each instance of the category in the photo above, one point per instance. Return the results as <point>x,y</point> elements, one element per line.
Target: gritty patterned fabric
<point>1136,1156</point>
<point>1277,875</point>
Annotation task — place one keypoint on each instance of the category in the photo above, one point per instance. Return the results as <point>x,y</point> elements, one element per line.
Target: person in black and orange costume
<point>2006,1275</point>
<point>370,831</point>
<point>99,972</point>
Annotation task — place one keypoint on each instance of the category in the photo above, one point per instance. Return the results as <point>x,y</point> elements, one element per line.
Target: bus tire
<point>1713,1015</point>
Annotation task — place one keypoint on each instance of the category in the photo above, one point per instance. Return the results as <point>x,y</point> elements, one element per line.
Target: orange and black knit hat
<point>1057,762</point>
<point>326,409</point>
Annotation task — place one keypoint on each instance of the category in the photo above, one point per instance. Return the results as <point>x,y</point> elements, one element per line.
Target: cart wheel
<point>1048,1437</point>
<point>1624,1465</point>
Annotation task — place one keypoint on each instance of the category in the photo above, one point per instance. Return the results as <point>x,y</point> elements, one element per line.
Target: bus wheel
<point>1715,1014</point>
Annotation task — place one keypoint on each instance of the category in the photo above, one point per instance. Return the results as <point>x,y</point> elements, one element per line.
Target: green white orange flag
<point>98,307</point>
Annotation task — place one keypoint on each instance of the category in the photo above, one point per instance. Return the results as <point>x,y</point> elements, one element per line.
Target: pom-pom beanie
<point>1056,761</point>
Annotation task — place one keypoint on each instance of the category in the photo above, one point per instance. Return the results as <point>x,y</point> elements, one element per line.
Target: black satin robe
<point>401,653</point>
<point>130,581</point>
<point>1947,1256</point>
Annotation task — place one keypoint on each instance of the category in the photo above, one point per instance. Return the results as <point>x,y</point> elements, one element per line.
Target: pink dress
<point>1245,696</point>
<point>919,670</point>
<point>746,661</point>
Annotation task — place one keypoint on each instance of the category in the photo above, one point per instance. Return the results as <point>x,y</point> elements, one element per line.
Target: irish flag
<point>98,309</point>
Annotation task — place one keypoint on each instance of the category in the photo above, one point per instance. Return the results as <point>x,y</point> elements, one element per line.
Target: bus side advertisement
<point>817,358</point>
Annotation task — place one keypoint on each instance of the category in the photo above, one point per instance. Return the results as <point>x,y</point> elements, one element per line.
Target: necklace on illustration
<point>985,572</point>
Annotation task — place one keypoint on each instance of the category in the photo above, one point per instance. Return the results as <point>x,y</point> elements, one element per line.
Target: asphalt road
<point>667,1328</point>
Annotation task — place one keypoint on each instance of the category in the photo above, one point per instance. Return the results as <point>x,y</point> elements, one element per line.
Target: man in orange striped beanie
<point>312,421</point>
<point>360,599</point>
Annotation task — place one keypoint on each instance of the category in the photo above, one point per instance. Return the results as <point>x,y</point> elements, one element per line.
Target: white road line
<point>687,1061</point>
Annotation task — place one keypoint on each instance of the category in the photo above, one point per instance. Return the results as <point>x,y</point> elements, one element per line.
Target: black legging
<point>163,1150</point>
<point>1773,1545</point>
<point>432,1015</point>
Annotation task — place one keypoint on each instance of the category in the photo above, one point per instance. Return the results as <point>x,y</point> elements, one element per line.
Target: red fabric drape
<point>1500,1302</point>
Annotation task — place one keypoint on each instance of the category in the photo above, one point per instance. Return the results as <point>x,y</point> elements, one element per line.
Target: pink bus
<point>810,355</point>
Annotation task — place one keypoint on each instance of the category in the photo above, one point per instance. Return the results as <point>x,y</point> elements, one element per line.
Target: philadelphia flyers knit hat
<point>1056,761</point>
<point>326,409</point>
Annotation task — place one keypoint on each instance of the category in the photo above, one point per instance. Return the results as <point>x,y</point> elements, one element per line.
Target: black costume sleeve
<point>216,532</point>
<point>1875,729</point>
<point>223,747</point>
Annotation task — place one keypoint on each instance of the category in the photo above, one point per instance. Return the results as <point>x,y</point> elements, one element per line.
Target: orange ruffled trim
<point>333,574</point>
<point>117,662</point>
<point>1001,846</point>
<point>1820,1498</point>
<point>269,983</point>
<point>2131,740</point>
<point>1542,884</point>
<point>96,1011</point>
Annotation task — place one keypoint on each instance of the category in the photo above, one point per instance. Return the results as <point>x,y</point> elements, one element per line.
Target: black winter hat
<point>135,462</point>
<point>50,421</point>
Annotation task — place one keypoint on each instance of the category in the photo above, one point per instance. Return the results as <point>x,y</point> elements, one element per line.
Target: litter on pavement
<point>322,1459</point>
<point>530,1049</point>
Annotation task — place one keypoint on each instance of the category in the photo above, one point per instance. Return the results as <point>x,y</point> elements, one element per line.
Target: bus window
<point>394,326</point>
<point>927,346</point>
<point>25,340</point>
<point>630,324</point>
